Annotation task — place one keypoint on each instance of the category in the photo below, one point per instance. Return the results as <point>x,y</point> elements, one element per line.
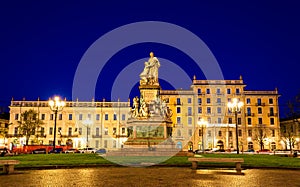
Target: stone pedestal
<point>149,92</point>
<point>149,132</point>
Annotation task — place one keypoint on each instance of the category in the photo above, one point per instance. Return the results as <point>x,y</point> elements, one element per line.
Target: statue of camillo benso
<point>149,76</point>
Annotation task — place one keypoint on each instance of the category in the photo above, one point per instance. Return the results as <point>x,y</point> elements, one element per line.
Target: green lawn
<point>255,160</point>
<point>56,159</point>
<point>31,160</point>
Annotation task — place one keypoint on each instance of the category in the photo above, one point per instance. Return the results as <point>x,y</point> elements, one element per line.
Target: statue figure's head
<point>151,54</point>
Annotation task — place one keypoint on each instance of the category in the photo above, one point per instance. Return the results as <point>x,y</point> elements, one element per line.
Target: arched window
<point>273,146</point>
<point>190,146</point>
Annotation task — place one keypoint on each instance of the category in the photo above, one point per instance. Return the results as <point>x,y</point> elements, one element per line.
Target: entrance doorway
<point>220,144</point>
<point>179,145</point>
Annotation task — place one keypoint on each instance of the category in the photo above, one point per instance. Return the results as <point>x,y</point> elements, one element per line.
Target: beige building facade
<point>258,121</point>
<point>79,124</point>
<point>104,124</point>
<point>4,124</point>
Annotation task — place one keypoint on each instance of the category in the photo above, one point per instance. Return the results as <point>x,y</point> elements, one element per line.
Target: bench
<point>237,162</point>
<point>8,165</point>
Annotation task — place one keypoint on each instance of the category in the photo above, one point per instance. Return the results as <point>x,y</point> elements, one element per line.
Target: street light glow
<point>202,123</point>
<point>235,106</point>
<point>56,106</point>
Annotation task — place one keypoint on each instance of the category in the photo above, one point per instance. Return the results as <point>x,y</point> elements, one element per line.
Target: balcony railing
<point>14,135</point>
<point>179,137</point>
<point>97,136</point>
<point>260,104</point>
<point>178,125</point>
<point>69,135</point>
<point>218,82</point>
<point>189,114</point>
<point>261,92</point>
<point>121,136</point>
<point>249,114</point>
<point>176,92</point>
<point>272,114</point>
<point>70,104</point>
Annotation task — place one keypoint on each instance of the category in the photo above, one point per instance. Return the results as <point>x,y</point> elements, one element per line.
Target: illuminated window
<point>16,116</point>
<point>43,117</point>
<point>70,116</point>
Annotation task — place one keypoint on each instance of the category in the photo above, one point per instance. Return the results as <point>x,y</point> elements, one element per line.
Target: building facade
<point>79,124</point>
<point>4,124</point>
<point>290,133</point>
<point>258,121</point>
<point>104,124</point>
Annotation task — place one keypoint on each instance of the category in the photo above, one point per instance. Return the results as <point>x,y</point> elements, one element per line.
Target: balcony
<point>69,136</point>
<point>249,114</point>
<point>272,114</point>
<point>121,136</point>
<point>91,104</point>
<point>97,136</point>
<point>41,136</point>
<point>179,137</point>
<point>14,135</point>
<point>260,104</point>
<point>189,114</point>
<point>178,125</point>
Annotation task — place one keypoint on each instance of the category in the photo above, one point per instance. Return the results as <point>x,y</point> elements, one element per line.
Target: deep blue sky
<point>42,42</point>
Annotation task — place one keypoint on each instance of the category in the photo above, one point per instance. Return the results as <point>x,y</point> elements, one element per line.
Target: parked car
<point>200,151</point>
<point>101,151</point>
<point>56,150</point>
<point>263,151</point>
<point>90,150</point>
<point>250,151</point>
<point>39,151</point>
<point>72,151</point>
<point>5,152</point>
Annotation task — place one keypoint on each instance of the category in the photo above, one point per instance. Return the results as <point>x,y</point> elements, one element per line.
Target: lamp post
<point>202,123</point>
<point>235,106</point>
<point>56,106</point>
<point>87,123</point>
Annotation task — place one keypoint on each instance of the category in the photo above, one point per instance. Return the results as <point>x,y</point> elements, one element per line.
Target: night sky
<point>42,43</point>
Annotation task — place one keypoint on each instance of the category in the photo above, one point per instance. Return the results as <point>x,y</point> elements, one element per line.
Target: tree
<point>289,127</point>
<point>29,124</point>
<point>3,129</point>
<point>260,135</point>
<point>288,133</point>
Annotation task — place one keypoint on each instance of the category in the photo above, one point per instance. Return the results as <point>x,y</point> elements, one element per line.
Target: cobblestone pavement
<point>122,176</point>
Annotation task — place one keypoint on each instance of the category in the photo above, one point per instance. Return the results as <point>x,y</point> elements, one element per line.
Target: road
<point>153,176</point>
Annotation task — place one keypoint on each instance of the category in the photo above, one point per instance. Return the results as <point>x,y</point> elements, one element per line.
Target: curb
<point>45,167</point>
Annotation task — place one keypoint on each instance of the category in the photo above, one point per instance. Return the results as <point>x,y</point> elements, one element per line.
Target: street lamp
<point>202,123</point>
<point>235,106</point>
<point>87,123</point>
<point>56,106</point>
